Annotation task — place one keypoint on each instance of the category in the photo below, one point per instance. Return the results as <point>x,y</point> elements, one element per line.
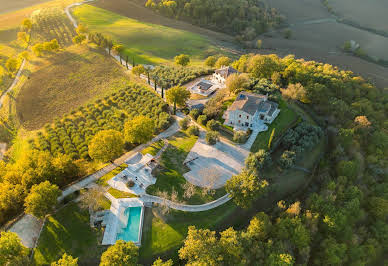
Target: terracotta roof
<point>226,71</point>
<point>250,103</point>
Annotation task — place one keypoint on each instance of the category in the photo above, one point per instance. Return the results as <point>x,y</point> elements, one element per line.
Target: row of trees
<point>40,49</point>
<point>246,19</point>
<point>72,134</point>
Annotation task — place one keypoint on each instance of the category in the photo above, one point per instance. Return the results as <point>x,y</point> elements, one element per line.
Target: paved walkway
<point>174,128</point>
<point>28,229</point>
<point>187,208</point>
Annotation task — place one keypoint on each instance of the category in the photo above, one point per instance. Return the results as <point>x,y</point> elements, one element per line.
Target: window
<point>239,115</point>
<point>247,116</point>
<point>239,121</point>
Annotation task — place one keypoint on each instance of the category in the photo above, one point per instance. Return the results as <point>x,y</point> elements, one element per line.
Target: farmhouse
<point>220,75</point>
<point>204,87</point>
<point>252,111</point>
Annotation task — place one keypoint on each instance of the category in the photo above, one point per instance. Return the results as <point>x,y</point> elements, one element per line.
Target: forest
<point>243,19</point>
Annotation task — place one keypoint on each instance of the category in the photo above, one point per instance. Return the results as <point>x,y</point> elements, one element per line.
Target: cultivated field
<point>52,23</point>
<point>64,82</point>
<point>371,13</point>
<point>148,43</point>
<point>8,6</point>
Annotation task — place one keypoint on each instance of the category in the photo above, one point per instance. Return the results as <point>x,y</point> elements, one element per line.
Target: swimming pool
<point>132,231</point>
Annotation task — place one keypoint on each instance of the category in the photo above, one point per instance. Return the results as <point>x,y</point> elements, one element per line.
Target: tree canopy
<point>177,96</point>
<point>120,254</point>
<point>42,199</point>
<point>139,130</point>
<point>12,251</point>
<point>106,145</point>
<point>182,59</point>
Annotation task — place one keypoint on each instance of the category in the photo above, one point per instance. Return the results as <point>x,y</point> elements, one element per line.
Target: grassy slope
<point>68,231</point>
<point>161,235</point>
<point>65,81</point>
<point>148,43</point>
<point>153,148</point>
<point>282,122</point>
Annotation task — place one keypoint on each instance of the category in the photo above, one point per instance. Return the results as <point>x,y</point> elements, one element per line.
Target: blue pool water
<point>131,232</point>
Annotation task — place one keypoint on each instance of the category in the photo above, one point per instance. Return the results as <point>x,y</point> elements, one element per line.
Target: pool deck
<point>115,219</point>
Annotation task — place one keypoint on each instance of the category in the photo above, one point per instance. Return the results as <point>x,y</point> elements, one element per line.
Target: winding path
<point>15,81</point>
<point>187,208</point>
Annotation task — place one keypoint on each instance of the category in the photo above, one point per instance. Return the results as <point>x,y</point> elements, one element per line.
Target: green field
<point>162,234</point>
<point>148,43</point>
<point>69,231</point>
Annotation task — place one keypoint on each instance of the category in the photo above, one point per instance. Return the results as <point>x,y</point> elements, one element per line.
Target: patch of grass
<point>104,204</point>
<point>148,43</point>
<point>104,180</point>
<point>282,122</point>
<point>171,178</point>
<point>154,148</point>
<point>161,234</point>
<point>118,194</point>
<point>69,231</point>
<point>195,96</point>
<point>73,77</point>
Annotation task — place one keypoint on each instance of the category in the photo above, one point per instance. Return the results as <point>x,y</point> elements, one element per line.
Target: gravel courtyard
<point>211,166</point>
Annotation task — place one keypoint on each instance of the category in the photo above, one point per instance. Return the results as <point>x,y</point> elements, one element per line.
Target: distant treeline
<point>245,19</point>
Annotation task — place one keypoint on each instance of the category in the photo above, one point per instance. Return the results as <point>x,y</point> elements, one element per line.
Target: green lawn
<point>103,180</point>
<point>282,122</point>
<point>171,176</point>
<point>69,231</point>
<point>153,148</point>
<point>148,43</point>
<point>120,194</point>
<point>161,235</point>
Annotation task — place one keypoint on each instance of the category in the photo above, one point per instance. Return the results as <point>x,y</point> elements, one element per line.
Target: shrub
<point>213,125</point>
<point>193,130</point>
<point>212,137</point>
<point>240,137</point>
<point>184,123</point>
<point>194,113</point>
<point>202,119</point>
<point>287,159</point>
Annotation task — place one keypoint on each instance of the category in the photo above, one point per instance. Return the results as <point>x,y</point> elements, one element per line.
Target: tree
<point>118,49</point>
<point>66,260</point>
<point>378,207</point>
<point>27,24</point>
<point>258,161</point>
<point>12,65</point>
<point>106,145</point>
<point>212,137</point>
<point>160,262</point>
<point>295,92</point>
<point>259,44</point>
<point>12,251</point>
<point>37,49</point>
<point>236,82</point>
<point>210,61</point>
<point>283,259</point>
<point>81,29</point>
<point>79,39</point>
<point>25,55</point>
<point>92,198</point>
<point>201,247</point>
<point>193,130</point>
<point>222,62</point>
<point>138,70</point>
<point>177,96</point>
<point>182,60</point>
<point>23,36</point>
<point>271,138</point>
<point>120,254</point>
<point>54,45</point>
<point>139,130</point>
<point>287,159</point>
<point>184,123</point>
<point>213,125</point>
<point>263,66</point>
<point>42,199</point>
<point>245,187</point>
<point>331,252</point>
